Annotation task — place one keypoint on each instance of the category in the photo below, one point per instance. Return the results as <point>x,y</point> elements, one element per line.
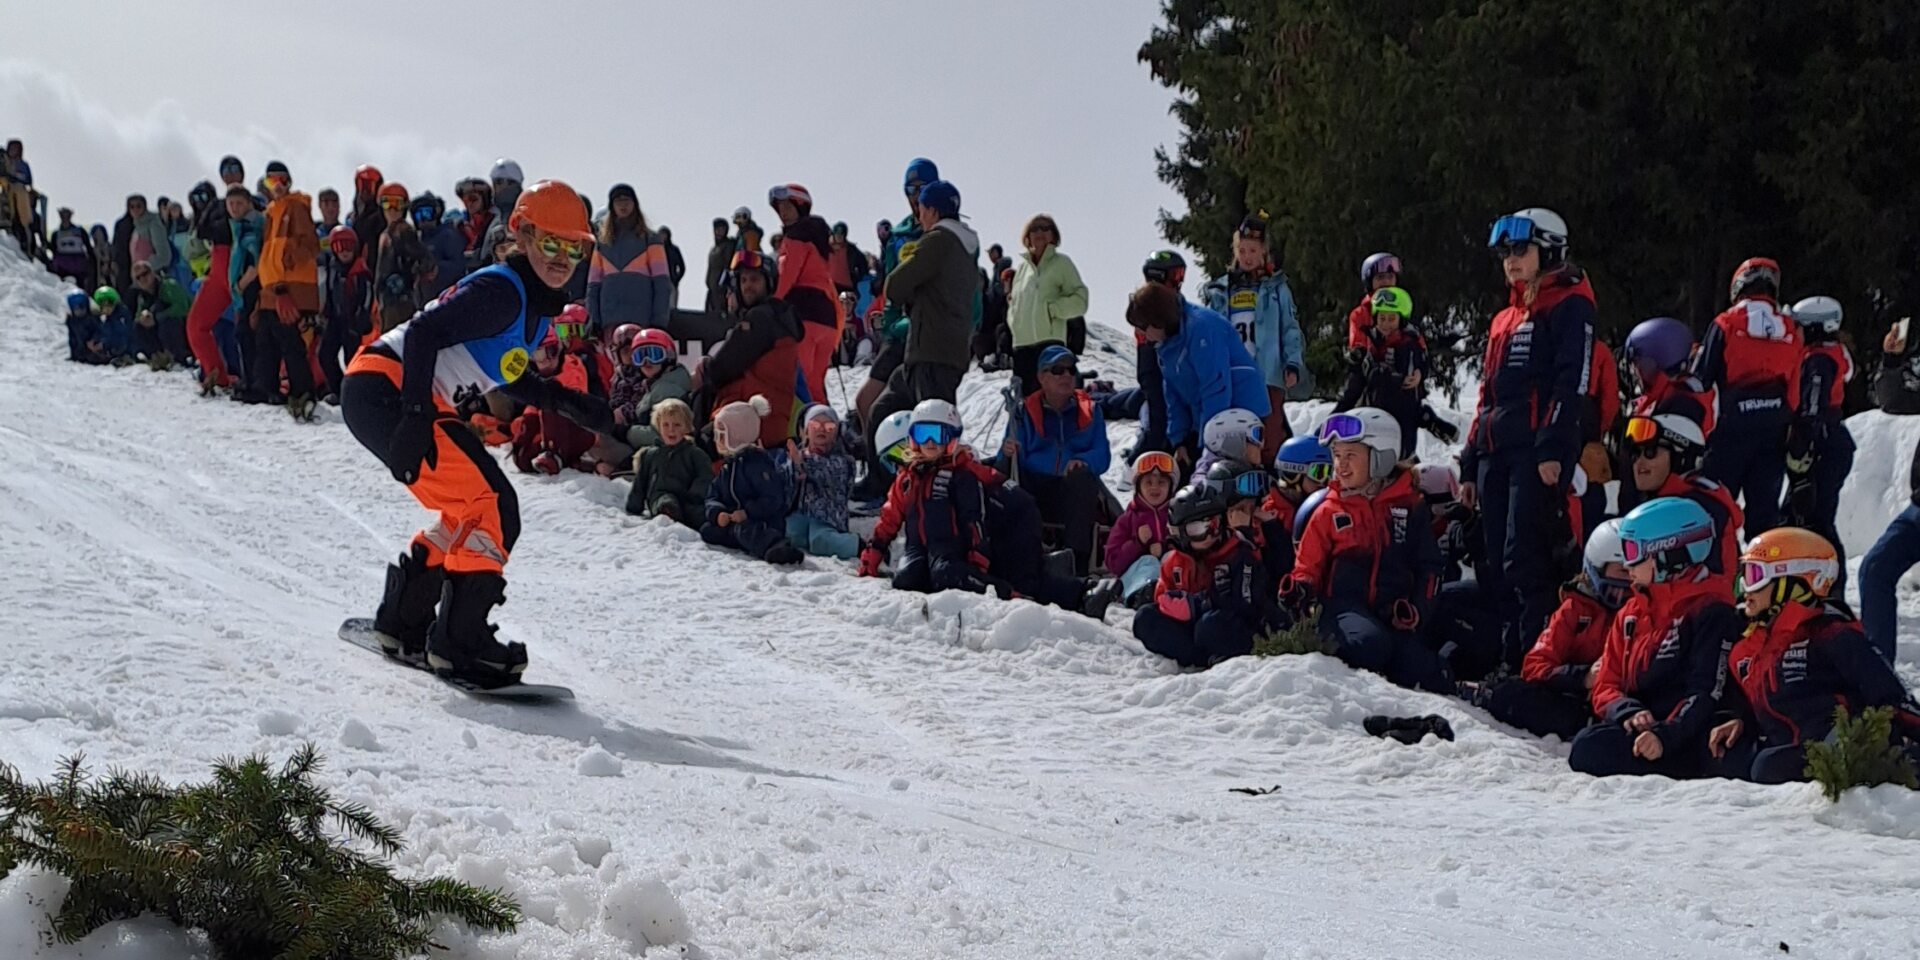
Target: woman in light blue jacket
<point>1256,301</point>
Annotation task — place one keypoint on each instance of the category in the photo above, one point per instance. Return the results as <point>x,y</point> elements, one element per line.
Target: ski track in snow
<point>768,763</point>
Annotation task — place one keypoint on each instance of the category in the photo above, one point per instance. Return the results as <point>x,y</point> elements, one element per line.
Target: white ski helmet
<point>1818,313</point>
<point>1537,225</point>
<point>1229,432</point>
<point>1604,547</point>
<point>936,411</point>
<point>504,169</point>
<point>1371,426</point>
<point>891,436</point>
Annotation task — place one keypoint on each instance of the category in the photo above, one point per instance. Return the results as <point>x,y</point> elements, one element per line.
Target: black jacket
<point>1897,391</point>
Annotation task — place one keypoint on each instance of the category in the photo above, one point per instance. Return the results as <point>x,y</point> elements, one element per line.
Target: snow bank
<point>181,566</point>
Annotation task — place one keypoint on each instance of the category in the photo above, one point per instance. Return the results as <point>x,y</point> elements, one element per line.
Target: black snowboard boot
<point>462,644</point>
<point>1409,729</point>
<point>406,610</point>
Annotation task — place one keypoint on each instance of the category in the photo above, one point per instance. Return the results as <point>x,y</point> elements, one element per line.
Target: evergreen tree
<point>1861,752</point>
<point>247,857</point>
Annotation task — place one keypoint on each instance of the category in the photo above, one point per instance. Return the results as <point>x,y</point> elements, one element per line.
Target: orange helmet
<point>394,189</point>
<point>551,206</point>
<point>1789,552</point>
<point>1755,271</point>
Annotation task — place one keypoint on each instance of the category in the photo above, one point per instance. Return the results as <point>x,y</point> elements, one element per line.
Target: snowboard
<point>359,632</point>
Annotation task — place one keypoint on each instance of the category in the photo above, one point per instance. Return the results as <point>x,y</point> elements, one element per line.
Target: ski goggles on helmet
<point>1642,430</point>
<point>1318,472</point>
<point>277,180</point>
<point>1154,461</point>
<point>1341,428</point>
<point>393,203</point>
<point>569,331</point>
<point>650,353</point>
<point>1756,574</point>
<point>1636,552</point>
<point>931,432</point>
<point>1250,485</point>
<point>1196,529</point>
<point>1511,232</point>
<point>786,191</point>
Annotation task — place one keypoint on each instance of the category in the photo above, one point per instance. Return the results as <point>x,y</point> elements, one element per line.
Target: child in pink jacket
<point>1142,532</point>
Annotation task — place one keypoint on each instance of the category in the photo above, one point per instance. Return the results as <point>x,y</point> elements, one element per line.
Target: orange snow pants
<point>479,515</point>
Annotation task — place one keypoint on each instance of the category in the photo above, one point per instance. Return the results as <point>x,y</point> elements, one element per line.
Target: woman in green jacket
<point>1048,303</point>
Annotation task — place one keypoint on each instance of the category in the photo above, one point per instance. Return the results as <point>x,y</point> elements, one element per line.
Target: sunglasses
<point>392,203</point>
<point>914,187</point>
<point>553,247</point>
<point>1154,462</point>
<point>1317,472</point>
<point>1061,370</point>
<point>1517,249</point>
<point>650,353</point>
<point>924,433</point>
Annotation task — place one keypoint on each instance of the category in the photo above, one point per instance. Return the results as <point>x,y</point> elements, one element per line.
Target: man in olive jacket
<point>938,281</point>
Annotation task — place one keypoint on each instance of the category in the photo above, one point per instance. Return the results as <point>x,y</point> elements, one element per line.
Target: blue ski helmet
<point>922,171</point>
<point>1673,532</point>
<point>1305,513</point>
<point>1300,455</point>
<point>78,302</point>
<point>1381,262</point>
<point>1663,342</point>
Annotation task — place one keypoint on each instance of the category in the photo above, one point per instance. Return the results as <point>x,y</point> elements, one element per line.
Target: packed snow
<point>768,763</point>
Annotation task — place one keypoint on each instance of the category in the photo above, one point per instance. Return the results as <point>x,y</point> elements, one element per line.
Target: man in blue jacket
<point>1204,367</point>
<point>1255,299</point>
<point>1059,443</point>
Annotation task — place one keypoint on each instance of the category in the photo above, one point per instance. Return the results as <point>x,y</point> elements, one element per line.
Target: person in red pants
<point>398,399</point>
<point>215,296</point>
<point>806,284</point>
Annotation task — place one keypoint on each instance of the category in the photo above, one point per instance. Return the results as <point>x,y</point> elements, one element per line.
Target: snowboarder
<point>399,399</point>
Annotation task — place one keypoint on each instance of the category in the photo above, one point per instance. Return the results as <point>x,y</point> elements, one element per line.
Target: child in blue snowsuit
<point>747,501</point>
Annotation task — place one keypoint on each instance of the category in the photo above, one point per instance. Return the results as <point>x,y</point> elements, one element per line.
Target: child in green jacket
<point>671,479</point>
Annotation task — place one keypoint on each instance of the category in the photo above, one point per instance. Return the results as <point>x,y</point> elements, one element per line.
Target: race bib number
<point>1241,306</point>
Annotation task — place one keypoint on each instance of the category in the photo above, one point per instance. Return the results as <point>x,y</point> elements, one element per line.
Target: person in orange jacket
<point>289,294</point>
<point>1662,670</point>
<point>806,283</point>
<point>761,356</point>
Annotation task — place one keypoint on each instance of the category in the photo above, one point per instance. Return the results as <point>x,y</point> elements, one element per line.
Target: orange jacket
<point>290,254</point>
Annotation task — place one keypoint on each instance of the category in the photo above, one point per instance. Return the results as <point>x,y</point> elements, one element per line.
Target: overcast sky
<point>1027,106</point>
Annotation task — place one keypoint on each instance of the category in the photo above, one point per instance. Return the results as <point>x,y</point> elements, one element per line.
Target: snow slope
<point>778,764</point>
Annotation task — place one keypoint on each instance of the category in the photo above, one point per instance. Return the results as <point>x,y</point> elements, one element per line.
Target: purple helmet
<point>1378,263</point>
<point>1663,342</point>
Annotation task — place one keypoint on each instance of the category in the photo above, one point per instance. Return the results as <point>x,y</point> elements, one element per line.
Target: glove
<point>1405,615</point>
<point>1357,356</point>
<point>1800,442</point>
<point>412,442</point>
<point>1294,595</point>
<point>870,560</point>
<point>584,409</point>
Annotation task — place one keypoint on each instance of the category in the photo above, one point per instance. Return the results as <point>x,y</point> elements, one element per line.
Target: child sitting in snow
<point>747,502</point>
<point>1140,535</point>
<point>1551,695</point>
<point>1232,434</point>
<point>650,373</point>
<point>671,477</point>
<point>1206,607</point>
<point>823,477</point>
<point>83,330</point>
<point>940,502</point>
<point>544,441</point>
<point>114,335</point>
